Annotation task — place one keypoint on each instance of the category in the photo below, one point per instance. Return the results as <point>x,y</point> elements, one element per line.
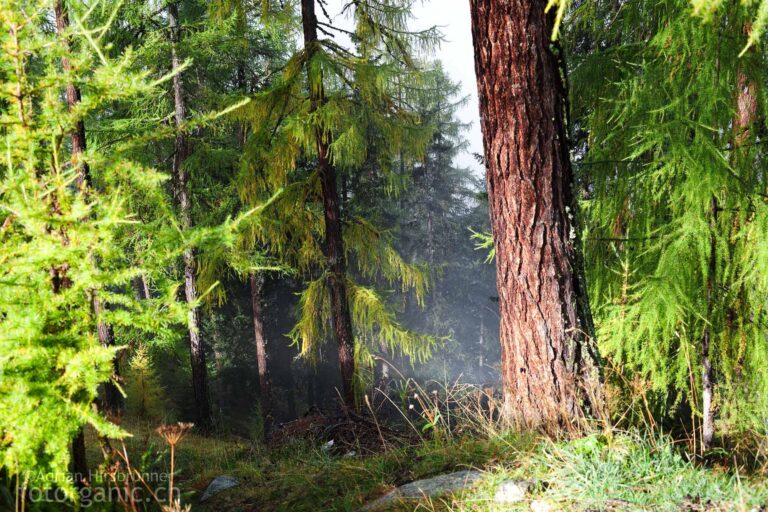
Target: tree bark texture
<point>181,178</point>
<point>334,243</point>
<point>550,369</point>
<point>73,98</point>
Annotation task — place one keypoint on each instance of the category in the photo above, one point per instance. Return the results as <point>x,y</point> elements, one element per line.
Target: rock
<point>218,484</point>
<point>542,506</point>
<point>430,487</point>
<point>512,491</point>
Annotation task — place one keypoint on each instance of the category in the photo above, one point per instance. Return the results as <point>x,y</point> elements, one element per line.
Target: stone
<point>542,505</point>
<point>430,487</point>
<point>218,484</point>
<point>512,491</point>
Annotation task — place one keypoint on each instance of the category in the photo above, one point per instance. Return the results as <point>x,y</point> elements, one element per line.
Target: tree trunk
<point>196,348</point>
<point>334,243</point>
<point>746,115</point>
<point>73,98</point>
<point>79,462</point>
<point>141,288</point>
<point>707,374</point>
<point>550,369</point>
<point>113,404</point>
<point>265,392</point>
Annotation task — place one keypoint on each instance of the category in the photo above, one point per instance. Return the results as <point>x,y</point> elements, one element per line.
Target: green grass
<point>621,472</point>
<point>625,472</point>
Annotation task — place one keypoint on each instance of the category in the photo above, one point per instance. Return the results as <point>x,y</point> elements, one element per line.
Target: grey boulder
<point>430,487</point>
<point>218,484</point>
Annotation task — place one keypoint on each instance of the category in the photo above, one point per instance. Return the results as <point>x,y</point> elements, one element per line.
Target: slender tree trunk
<point>112,405</point>
<point>196,348</point>
<point>141,288</point>
<point>265,391</point>
<point>79,461</point>
<point>707,374</point>
<point>550,369</point>
<point>746,115</point>
<point>334,243</point>
<point>73,98</point>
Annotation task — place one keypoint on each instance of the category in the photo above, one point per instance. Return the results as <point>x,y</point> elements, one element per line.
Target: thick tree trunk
<point>334,243</point>
<point>196,348</point>
<point>265,392</point>
<point>550,370</point>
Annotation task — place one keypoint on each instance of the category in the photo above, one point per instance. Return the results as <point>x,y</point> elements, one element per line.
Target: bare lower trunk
<point>265,392</point>
<point>112,404</point>
<point>550,370</point>
<point>334,243</point>
<point>707,374</point>
<point>196,349</point>
<point>79,462</point>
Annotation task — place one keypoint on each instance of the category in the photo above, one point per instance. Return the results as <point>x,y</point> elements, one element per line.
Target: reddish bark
<point>744,119</point>
<point>550,370</point>
<point>334,243</point>
<point>73,98</point>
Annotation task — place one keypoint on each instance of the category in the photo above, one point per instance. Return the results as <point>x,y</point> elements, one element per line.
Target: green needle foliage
<point>669,116</point>
<point>370,128</point>
<point>61,241</point>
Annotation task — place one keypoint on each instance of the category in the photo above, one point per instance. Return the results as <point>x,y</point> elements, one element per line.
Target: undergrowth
<point>612,470</point>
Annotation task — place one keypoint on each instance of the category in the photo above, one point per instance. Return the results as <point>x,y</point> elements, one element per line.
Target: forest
<point>298,255</point>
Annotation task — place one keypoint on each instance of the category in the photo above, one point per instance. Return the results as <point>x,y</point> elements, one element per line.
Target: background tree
<point>182,195</point>
<point>326,112</point>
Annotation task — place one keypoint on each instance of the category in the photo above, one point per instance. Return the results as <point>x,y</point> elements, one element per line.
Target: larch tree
<point>61,241</point>
<point>550,368</point>
<point>334,113</point>
<point>674,199</point>
<point>112,404</point>
<point>334,243</point>
<point>182,195</point>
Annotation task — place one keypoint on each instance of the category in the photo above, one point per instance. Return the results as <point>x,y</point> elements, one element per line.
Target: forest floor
<point>622,471</point>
